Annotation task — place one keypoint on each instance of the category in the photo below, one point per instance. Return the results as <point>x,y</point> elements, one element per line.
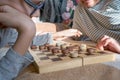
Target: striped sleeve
<point>97,23</point>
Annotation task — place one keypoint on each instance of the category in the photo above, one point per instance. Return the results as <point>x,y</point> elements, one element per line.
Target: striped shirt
<point>102,19</point>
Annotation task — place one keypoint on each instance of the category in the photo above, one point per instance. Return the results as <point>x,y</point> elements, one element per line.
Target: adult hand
<point>108,43</point>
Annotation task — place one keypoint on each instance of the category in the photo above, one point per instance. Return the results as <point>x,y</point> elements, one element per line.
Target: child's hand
<point>11,17</point>
<point>67,34</point>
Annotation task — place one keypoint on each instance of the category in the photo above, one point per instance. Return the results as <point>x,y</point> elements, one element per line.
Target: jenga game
<point>63,55</point>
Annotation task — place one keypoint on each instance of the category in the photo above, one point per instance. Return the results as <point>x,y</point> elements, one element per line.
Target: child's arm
<point>10,17</point>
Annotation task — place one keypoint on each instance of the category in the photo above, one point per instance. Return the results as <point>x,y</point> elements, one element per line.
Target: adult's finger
<point>103,38</point>
<point>107,41</point>
<point>103,42</point>
<point>100,46</point>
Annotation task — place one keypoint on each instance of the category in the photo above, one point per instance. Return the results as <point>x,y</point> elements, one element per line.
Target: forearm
<point>25,36</point>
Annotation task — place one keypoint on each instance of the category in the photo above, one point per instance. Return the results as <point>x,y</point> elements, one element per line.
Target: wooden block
<point>48,62</point>
<point>97,57</point>
<point>60,65</point>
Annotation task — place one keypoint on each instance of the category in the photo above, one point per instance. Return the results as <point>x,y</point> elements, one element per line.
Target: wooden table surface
<point>89,72</point>
<point>101,71</point>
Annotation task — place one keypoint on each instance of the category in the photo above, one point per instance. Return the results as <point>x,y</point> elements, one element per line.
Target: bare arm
<point>10,17</point>
<point>68,33</point>
<point>58,30</point>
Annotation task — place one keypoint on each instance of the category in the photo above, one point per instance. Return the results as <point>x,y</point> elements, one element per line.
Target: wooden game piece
<point>65,51</point>
<point>74,54</point>
<point>70,48</point>
<point>50,47</point>
<point>42,47</point>
<point>47,44</point>
<point>56,50</point>
<point>83,47</point>
<point>90,51</point>
<point>76,47</point>
<point>33,47</point>
<point>58,44</point>
<point>73,47</point>
<point>63,46</point>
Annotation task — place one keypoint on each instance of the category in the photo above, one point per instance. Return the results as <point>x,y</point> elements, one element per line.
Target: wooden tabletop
<point>100,71</point>
<point>89,72</point>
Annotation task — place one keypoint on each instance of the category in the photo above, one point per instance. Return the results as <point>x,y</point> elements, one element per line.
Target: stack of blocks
<point>63,55</point>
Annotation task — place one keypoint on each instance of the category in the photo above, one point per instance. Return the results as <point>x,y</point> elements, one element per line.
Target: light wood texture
<point>45,66</point>
<point>88,72</point>
<point>97,58</point>
<point>67,63</point>
<point>60,65</point>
